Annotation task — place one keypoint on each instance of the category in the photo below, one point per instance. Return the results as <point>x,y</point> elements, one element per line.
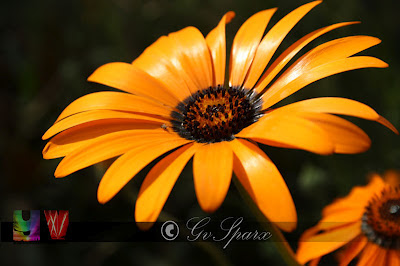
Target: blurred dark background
<point>49,48</point>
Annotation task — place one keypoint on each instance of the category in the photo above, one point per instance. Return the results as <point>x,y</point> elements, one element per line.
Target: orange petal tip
<point>352,22</point>
<point>45,150</point>
<point>315,3</point>
<point>383,64</point>
<point>209,209</point>
<point>287,226</point>
<point>229,16</point>
<point>58,173</point>
<point>46,135</point>
<point>96,72</point>
<point>100,198</point>
<point>387,124</point>
<point>102,201</point>
<point>144,226</point>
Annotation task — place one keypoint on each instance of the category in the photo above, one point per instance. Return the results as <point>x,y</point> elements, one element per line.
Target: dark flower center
<point>216,114</point>
<point>381,220</point>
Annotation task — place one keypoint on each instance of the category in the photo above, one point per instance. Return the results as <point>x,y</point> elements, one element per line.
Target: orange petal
<point>131,79</point>
<point>323,61</point>
<point>78,136</point>
<point>129,164</point>
<point>212,172</point>
<point>358,198</point>
<point>262,180</point>
<point>289,130</point>
<point>321,244</point>
<point>216,42</point>
<point>333,105</point>
<point>381,258</point>
<point>245,45</point>
<point>118,101</point>
<point>345,136</point>
<point>341,106</point>
<point>392,177</point>
<point>194,57</point>
<point>272,40</point>
<point>338,219</point>
<point>309,233</point>
<point>352,250</point>
<point>336,49</point>
<point>160,60</point>
<point>158,183</point>
<point>370,253</point>
<point>109,146</point>
<point>394,258</point>
<point>182,60</point>
<point>89,116</point>
<point>289,53</point>
<point>314,262</point>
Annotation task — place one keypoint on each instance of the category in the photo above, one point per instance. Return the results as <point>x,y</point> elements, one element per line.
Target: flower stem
<point>277,237</point>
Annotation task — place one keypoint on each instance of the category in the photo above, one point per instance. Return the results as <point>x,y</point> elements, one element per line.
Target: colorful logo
<point>57,221</point>
<point>26,225</point>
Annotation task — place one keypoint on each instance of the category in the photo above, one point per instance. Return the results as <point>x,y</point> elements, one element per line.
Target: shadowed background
<point>49,48</point>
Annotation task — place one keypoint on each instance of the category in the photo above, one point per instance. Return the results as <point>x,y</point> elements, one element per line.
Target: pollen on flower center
<point>215,114</point>
<point>381,220</point>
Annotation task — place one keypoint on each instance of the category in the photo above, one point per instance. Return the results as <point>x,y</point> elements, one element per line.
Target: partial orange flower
<point>366,223</point>
<point>175,99</point>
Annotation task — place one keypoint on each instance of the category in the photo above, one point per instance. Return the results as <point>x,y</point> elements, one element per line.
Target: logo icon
<point>26,225</point>
<point>57,221</point>
<point>169,230</point>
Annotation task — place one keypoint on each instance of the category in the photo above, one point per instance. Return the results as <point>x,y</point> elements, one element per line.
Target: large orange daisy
<point>176,99</point>
<point>366,222</point>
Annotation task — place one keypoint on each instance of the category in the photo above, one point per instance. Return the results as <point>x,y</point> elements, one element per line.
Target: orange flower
<point>367,221</point>
<point>176,99</point>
